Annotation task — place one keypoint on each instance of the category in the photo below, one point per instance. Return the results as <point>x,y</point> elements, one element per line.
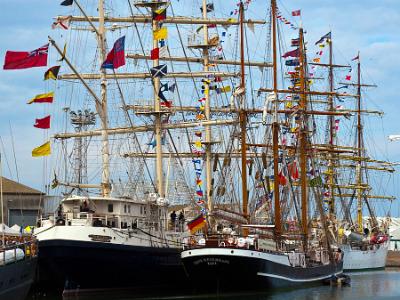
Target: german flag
<point>52,73</point>
<point>42,98</point>
<point>196,224</point>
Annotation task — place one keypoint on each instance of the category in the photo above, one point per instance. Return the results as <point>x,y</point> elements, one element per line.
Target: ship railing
<point>18,251</point>
<point>221,241</point>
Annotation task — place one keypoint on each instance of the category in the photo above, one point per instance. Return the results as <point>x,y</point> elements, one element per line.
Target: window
<point>110,208</point>
<point>129,209</point>
<point>125,208</point>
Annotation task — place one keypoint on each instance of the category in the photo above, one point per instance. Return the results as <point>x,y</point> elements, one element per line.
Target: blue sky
<point>368,26</point>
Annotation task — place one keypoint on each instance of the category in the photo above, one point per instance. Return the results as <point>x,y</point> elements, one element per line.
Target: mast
<point>207,112</point>
<point>331,121</point>
<point>303,142</point>
<point>359,144</point>
<point>275,126</point>
<point>243,117</point>
<point>105,180</point>
<point>157,115</point>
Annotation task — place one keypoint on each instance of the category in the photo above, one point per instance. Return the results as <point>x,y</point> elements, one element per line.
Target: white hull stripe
<point>296,280</point>
<point>276,258</point>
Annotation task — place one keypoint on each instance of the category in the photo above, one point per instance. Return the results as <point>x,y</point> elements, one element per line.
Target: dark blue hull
<point>95,265</point>
<point>16,279</point>
<point>238,273</point>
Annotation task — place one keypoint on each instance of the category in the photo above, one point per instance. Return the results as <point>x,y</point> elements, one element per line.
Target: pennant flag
<point>200,202</point>
<point>199,193</point>
<point>42,150</point>
<point>296,13</point>
<point>282,179</point>
<point>198,133</point>
<point>293,171</point>
<point>160,34</point>
<point>160,14</point>
<point>159,71</point>
<point>209,7</point>
<point>43,123</point>
<point>356,58</point>
<point>42,98</point>
<point>63,53</point>
<point>326,36</point>
<point>62,22</point>
<point>199,182</point>
<point>293,53</point>
<point>67,2</point>
<point>172,87</point>
<point>52,73</point>
<point>155,54</point>
<point>116,57</point>
<point>24,60</point>
<point>161,96</point>
<point>292,62</point>
<point>316,60</point>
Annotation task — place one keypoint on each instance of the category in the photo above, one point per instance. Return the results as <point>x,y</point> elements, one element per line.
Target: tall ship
<point>201,112</point>
<point>352,193</point>
<point>278,233</point>
<point>126,78</point>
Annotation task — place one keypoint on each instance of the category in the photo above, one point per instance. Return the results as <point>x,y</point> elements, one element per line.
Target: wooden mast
<point>157,115</point>
<point>331,121</point>
<point>243,119</point>
<point>105,153</point>
<point>207,112</point>
<point>303,143</point>
<point>275,126</point>
<point>359,143</point>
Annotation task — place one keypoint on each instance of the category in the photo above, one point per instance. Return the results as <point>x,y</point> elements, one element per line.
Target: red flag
<point>293,171</point>
<point>348,77</point>
<point>155,54</point>
<point>42,123</point>
<point>282,179</point>
<point>24,60</point>
<point>293,53</point>
<point>296,13</point>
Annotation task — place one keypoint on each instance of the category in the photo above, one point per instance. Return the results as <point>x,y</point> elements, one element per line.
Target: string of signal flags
<point>18,60</point>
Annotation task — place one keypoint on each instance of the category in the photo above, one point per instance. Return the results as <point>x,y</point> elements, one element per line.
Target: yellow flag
<point>42,150</point>
<point>160,34</point>
<point>226,89</point>
<point>42,98</point>
<point>289,104</point>
<point>197,144</point>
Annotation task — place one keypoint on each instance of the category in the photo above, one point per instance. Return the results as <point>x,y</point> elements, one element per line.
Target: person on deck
<point>181,220</point>
<point>173,219</point>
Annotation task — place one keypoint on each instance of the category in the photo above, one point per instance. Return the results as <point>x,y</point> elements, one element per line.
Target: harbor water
<point>376,285</point>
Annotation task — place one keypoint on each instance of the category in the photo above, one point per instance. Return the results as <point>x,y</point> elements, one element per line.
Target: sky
<point>368,26</point>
